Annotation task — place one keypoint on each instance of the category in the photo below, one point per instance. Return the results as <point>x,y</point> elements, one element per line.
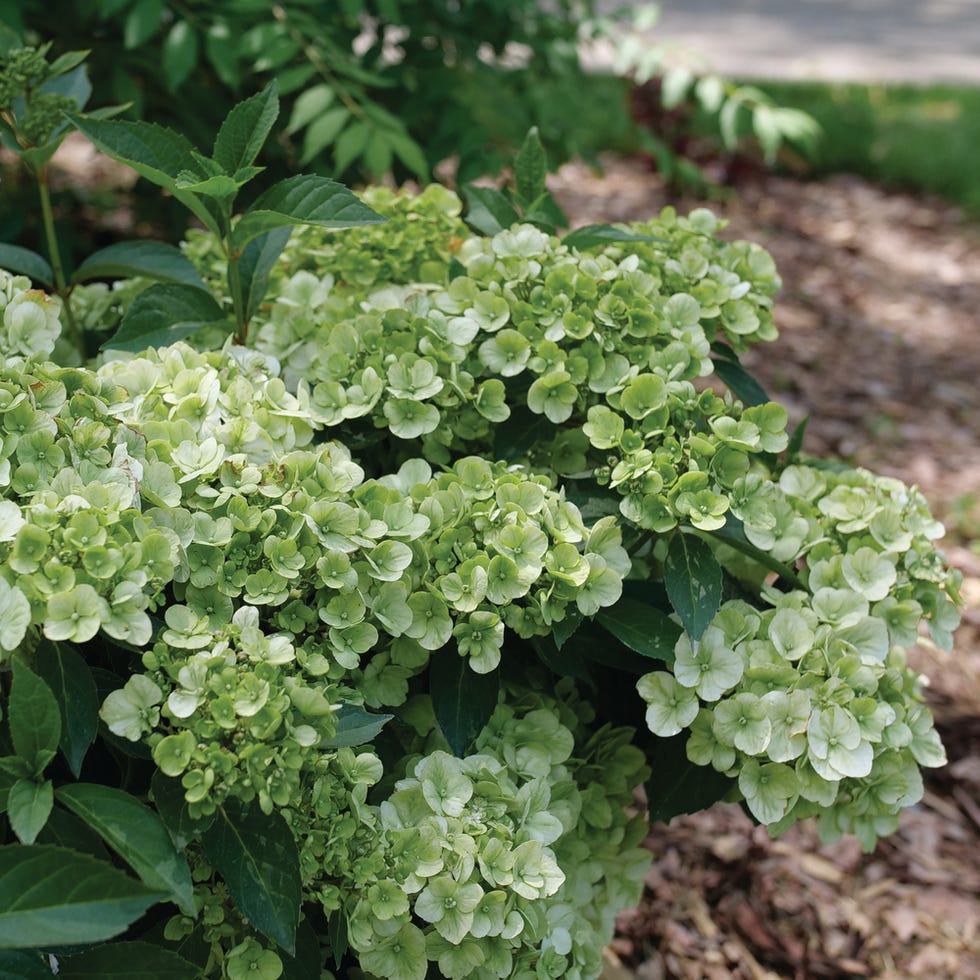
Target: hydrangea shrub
<point>354,643</point>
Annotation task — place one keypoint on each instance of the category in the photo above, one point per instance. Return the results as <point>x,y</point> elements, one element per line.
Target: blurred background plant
<point>373,87</point>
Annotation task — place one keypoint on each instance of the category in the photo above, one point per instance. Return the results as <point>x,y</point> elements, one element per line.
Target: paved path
<point>831,40</point>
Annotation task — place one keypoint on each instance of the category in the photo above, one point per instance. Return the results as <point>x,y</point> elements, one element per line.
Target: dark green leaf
<point>163,314</point>
<point>28,807</point>
<point>122,960</point>
<point>562,630</point>
<point>304,200</point>
<point>151,260</point>
<point>462,699</point>
<point>678,785</point>
<point>594,645</point>
<point>168,795</point>
<point>245,130</point>
<point>179,54</point>
<point>23,261</point>
<point>337,941</point>
<point>796,440</point>
<point>35,722</point>
<point>567,661</point>
<point>66,830</point>
<point>52,896</point>
<point>591,236</point>
<point>69,677</point>
<point>745,387</point>
<point>142,22</point>
<point>153,151</point>
<point>693,579</point>
<point>595,503</point>
<point>7,780</point>
<point>513,438</point>
<point>17,965</point>
<point>530,169</point>
<point>307,964</point>
<point>136,834</point>
<point>256,855</point>
<point>487,210</point>
<point>255,264</point>
<point>355,727</point>
<point>643,628</point>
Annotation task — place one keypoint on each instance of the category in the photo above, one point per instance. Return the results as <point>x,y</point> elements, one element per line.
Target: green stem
<point>237,300</point>
<point>61,285</point>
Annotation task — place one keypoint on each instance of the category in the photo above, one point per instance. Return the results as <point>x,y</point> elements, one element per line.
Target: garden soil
<point>880,347</point>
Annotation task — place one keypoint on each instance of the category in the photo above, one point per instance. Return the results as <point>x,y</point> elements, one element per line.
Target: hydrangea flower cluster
<point>510,862</point>
<point>322,523</point>
<point>605,347</point>
<point>809,702</point>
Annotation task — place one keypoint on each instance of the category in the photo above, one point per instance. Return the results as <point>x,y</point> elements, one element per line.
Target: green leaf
<point>222,52</point>
<point>564,629</point>
<point>35,721</point>
<point>66,62</point>
<point>730,370</point>
<point>487,210</point>
<point>142,22</point>
<point>350,146</point>
<point>322,132</point>
<point>795,445</point>
<point>23,261</point>
<point>121,960</point>
<point>16,965</point>
<point>304,200</point>
<point>255,264</point>
<point>309,106</point>
<point>693,579</point>
<point>151,260</point>
<point>679,786</point>
<point>69,677</point>
<point>355,727</point>
<point>765,125</point>
<point>28,807</point>
<point>566,661</point>
<point>245,130</point>
<point>462,699</point>
<point>66,830</point>
<point>168,796</point>
<point>164,314</point>
<point>530,168</point>
<point>675,85</point>
<point>307,963</point>
<point>153,151</point>
<point>52,896</point>
<point>592,236</point>
<point>256,855</point>
<point>643,628</point>
<point>136,834</point>
<point>410,154</point>
<point>216,187</point>
<point>180,50</point>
